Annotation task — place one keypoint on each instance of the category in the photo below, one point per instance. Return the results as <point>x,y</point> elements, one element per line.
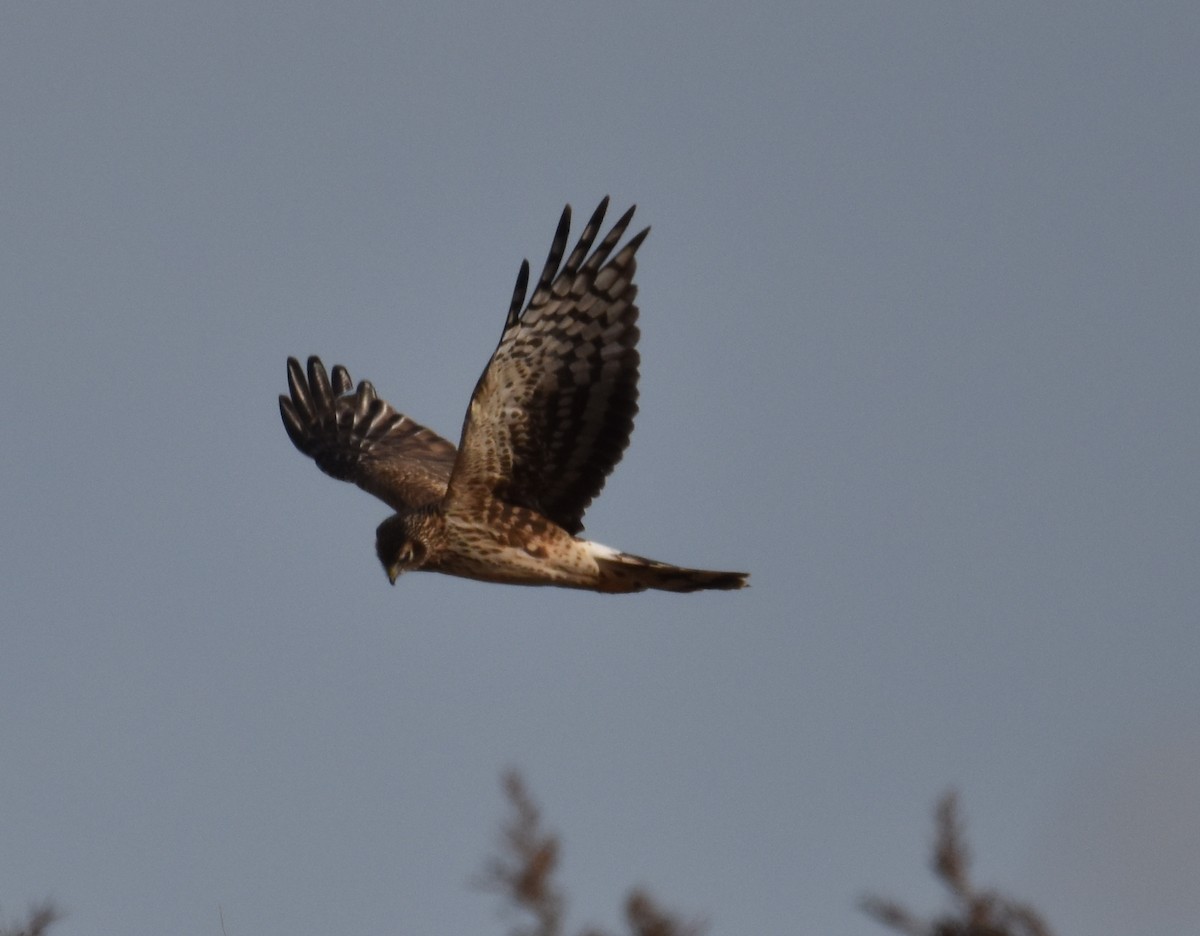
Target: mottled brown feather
<point>355,436</point>
<point>553,411</point>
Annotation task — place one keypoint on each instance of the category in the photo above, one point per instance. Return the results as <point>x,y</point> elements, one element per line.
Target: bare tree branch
<point>645,918</point>
<point>523,873</point>
<point>39,922</point>
<point>975,912</point>
<point>524,869</point>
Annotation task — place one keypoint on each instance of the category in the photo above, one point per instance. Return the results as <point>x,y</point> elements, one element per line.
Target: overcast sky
<point>921,351</point>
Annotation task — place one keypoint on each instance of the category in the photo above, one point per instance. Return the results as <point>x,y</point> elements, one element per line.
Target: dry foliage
<point>974,912</point>
<point>39,921</point>
<point>523,872</point>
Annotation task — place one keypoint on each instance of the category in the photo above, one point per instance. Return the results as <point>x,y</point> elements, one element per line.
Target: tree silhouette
<point>523,872</point>
<point>523,869</point>
<point>973,912</point>
<point>39,921</point>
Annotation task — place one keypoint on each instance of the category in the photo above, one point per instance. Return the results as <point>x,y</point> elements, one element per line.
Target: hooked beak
<point>393,573</point>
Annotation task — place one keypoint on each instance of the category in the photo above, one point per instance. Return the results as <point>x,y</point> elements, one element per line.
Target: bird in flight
<point>549,419</point>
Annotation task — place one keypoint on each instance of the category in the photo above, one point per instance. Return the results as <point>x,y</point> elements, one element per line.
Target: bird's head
<point>396,546</point>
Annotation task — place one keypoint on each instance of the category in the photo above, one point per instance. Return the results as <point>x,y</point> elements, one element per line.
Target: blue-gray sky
<point>921,350</point>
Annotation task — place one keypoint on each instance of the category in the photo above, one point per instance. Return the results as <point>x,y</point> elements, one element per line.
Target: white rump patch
<point>600,551</point>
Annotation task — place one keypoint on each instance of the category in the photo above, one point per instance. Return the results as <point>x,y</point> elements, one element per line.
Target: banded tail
<point>624,572</point>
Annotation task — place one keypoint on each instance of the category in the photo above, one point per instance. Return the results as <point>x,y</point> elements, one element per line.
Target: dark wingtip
<point>295,375</point>
<point>597,217</point>
<point>342,382</point>
<point>518,296</point>
<point>292,423</point>
<point>301,402</point>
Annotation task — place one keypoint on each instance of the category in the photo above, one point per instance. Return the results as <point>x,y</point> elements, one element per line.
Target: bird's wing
<point>353,435</point>
<point>553,411</point>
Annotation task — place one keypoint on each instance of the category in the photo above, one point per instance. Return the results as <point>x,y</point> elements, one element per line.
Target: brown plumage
<point>550,417</point>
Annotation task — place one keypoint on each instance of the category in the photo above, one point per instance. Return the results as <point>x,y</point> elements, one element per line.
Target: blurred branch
<point>523,872</point>
<point>645,918</point>
<point>975,912</point>
<point>39,922</point>
<point>524,868</point>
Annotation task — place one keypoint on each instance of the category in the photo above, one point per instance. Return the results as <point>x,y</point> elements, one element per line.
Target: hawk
<point>549,419</point>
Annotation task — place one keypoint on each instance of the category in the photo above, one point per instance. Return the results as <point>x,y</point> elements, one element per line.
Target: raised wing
<point>553,411</point>
<point>353,435</point>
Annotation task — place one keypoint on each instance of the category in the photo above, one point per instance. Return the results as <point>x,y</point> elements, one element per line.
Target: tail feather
<point>624,572</point>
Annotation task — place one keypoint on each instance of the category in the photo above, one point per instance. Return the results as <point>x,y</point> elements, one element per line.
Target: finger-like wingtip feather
<point>518,296</point>
<point>341,380</point>
<point>363,399</point>
<point>634,243</point>
<point>298,388</point>
<point>293,423</point>
<point>558,247</point>
<point>586,239</point>
<point>318,383</point>
<point>601,253</point>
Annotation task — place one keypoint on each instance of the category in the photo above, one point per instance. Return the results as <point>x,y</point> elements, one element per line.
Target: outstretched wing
<point>553,411</point>
<point>353,435</point>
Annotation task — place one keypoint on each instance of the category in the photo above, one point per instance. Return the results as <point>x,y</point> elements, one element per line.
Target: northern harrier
<point>549,418</point>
